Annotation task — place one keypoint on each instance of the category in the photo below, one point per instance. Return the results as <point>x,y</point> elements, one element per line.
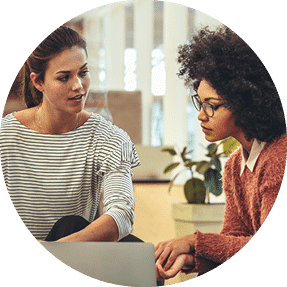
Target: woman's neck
<point>247,145</point>
<point>53,122</point>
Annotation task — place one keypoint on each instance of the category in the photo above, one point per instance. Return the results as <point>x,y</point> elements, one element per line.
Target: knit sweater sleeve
<point>272,169</point>
<point>213,249</point>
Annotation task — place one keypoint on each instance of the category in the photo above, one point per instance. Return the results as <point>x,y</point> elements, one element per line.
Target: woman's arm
<point>208,249</point>
<point>102,229</point>
<point>118,200</point>
<point>211,246</point>
<point>118,211</point>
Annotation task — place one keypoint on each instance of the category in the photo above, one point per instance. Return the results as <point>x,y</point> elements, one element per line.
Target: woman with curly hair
<point>235,96</point>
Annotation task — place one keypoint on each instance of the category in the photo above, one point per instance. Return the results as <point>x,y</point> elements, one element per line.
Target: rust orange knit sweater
<point>249,199</point>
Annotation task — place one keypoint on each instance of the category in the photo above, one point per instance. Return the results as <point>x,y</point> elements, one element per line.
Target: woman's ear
<point>38,84</point>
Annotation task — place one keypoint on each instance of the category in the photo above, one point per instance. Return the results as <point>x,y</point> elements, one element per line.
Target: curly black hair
<point>231,67</point>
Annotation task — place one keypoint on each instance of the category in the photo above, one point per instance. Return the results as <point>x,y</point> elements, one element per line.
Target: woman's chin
<point>213,139</point>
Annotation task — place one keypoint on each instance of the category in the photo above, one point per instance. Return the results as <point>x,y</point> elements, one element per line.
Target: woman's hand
<point>181,261</point>
<point>167,252</point>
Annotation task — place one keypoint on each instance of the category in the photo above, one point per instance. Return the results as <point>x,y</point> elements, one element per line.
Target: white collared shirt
<point>251,160</point>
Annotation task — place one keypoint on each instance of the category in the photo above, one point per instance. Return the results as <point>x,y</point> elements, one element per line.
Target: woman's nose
<point>77,84</point>
<point>202,116</point>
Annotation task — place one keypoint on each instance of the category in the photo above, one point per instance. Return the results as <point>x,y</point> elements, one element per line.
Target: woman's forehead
<point>72,58</point>
<point>206,92</point>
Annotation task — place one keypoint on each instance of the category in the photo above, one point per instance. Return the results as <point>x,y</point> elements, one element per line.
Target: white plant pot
<point>203,217</point>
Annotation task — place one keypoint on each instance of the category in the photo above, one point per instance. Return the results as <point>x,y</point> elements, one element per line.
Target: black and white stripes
<point>51,176</point>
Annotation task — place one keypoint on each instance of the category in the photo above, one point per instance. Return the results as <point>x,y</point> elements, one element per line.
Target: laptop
<point>121,263</point>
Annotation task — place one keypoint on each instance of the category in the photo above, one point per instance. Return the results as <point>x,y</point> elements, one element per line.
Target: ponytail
<point>31,95</point>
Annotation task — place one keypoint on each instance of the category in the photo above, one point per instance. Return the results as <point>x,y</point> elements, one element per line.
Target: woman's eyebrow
<point>67,72</point>
<point>211,98</point>
<point>63,72</point>
<point>84,66</point>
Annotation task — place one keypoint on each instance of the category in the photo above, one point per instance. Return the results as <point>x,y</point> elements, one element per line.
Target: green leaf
<point>174,178</point>
<point>195,191</point>
<point>212,149</point>
<point>171,151</point>
<point>216,162</point>
<point>203,166</point>
<point>171,167</point>
<point>190,163</point>
<point>188,152</point>
<point>212,181</point>
<point>172,181</point>
<point>182,154</point>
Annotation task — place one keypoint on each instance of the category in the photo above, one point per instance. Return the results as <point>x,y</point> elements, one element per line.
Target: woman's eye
<point>83,73</point>
<point>64,79</point>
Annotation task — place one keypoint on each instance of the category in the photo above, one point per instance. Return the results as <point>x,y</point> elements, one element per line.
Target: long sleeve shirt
<point>51,176</point>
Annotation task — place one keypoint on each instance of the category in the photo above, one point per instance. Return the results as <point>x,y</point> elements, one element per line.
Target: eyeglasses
<point>207,107</point>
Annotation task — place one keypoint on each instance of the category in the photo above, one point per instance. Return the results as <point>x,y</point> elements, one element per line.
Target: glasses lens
<point>208,108</point>
<point>196,102</point>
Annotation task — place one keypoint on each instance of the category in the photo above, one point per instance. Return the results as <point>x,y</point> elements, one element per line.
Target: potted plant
<point>205,178</point>
<point>197,190</point>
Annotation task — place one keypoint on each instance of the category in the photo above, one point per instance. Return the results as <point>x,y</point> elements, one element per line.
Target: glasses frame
<point>195,99</point>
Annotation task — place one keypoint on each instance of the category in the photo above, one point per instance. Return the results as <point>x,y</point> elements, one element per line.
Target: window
<point>157,123</point>
<point>102,69</point>
<point>190,126</point>
<point>130,56</point>
<point>158,87</point>
<point>158,75</point>
<point>130,79</point>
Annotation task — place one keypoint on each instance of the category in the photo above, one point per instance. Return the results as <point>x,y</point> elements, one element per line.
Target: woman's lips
<point>77,98</point>
<point>204,129</point>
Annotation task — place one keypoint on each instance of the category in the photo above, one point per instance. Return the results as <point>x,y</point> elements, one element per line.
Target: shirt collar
<point>251,160</point>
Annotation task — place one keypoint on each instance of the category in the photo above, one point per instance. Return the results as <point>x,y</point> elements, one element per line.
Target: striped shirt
<point>51,176</point>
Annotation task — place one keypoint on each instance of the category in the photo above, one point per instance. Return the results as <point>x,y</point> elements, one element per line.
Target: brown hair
<point>61,39</point>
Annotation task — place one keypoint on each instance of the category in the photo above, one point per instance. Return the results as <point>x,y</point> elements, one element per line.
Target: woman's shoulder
<point>9,121</point>
<point>271,163</point>
<point>279,145</point>
<point>26,117</point>
<point>17,124</point>
<point>233,164</point>
<point>107,130</point>
<point>235,157</point>
<point>274,154</point>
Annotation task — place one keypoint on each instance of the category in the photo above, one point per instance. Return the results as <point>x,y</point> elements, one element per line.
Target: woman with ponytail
<point>57,158</point>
